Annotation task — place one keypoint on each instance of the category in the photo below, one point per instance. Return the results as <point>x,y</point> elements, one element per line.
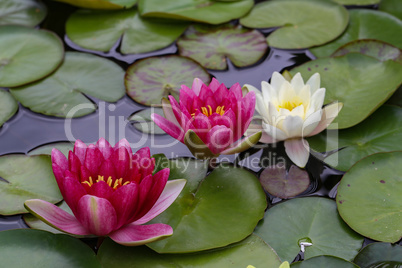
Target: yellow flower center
<point>290,105</point>
<point>208,110</point>
<point>116,184</point>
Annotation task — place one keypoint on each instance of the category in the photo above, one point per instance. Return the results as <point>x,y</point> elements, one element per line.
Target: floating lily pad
<point>149,80</point>
<point>357,2</point>
<point>21,12</point>
<point>252,250</point>
<point>23,178</point>
<point>370,47</point>
<point>376,253</point>
<point>63,147</point>
<point>61,93</point>
<point>142,121</point>
<point>229,198</point>
<point>101,4</point>
<point>297,27</point>
<point>35,248</point>
<point>8,106</point>
<point>381,132</point>
<point>209,11</point>
<point>308,220</point>
<point>392,7</point>
<point>210,48</point>
<point>100,30</point>
<point>365,24</point>
<point>276,181</point>
<point>360,82</point>
<point>27,54</point>
<point>374,183</point>
<point>324,261</point>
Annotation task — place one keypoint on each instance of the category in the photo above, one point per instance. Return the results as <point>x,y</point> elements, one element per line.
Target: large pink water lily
<point>111,192</point>
<point>209,119</point>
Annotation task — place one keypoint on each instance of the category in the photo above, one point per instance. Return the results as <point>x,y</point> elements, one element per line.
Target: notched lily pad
<point>278,182</point>
<point>27,54</point>
<point>324,261</point>
<point>23,178</point>
<point>8,106</point>
<point>100,30</point>
<point>379,253</point>
<point>63,147</point>
<point>62,93</point>
<point>297,27</point>
<point>374,183</point>
<point>141,120</point>
<point>149,80</point>
<point>22,12</point>
<point>211,47</point>
<point>101,4</point>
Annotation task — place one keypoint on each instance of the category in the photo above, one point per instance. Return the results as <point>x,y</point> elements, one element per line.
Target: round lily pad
<point>209,11</point>
<point>63,147</point>
<point>368,197</point>
<point>297,27</point>
<point>324,261</point>
<point>142,121</point>
<point>365,24</point>
<point>278,182</point>
<point>100,30</point>
<point>360,82</point>
<point>21,12</point>
<point>101,4</point>
<point>377,49</point>
<point>62,93</point>
<point>375,253</point>
<point>211,47</point>
<point>308,219</point>
<point>26,177</point>
<point>392,7</point>
<point>251,251</point>
<point>229,198</point>
<point>35,248</point>
<point>149,80</point>
<point>381,132</point>
<point>27,54</point>
<point>8,106</point>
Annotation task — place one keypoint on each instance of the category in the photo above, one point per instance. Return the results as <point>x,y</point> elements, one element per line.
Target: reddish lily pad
<point>141,120</point>
<point>149,80</point>
<point>324,261</point>
<point>376,253</point>
<point>101,4</point>
<point>23,178</point>
<point>211,47</point>
<point>100,30</point>
<point>284,184</point>
<point>21,12</point>
<point>8,106</point>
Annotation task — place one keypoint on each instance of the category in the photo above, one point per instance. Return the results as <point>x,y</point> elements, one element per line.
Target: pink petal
<point>169,127</point>
<point>197,85</point>
<point>85,174</point>
<point>93,160</point>
<point>105,147</point>
<point>124,143</point>
<point>219,138</point>
<point>205,93</point>
<point>80,149</point>
<point>202,125</point>
<point>121,161</point>
<point>135,235</point>
<point>59,175</point>
<point>101,189</point>
<point>143,164</point>
<point>73,192</point>
<point>125,202</point>
<point>107,170</point>
<point>167,197</point>
<point>236,89</point>
<point>59,159</point>
<point>97,215</point>
<point>298,151</point>
<point>168,111</point>
<point>214,85</point>
<point>220,93</point>
<point>74,163</point>
<point>55,217</point>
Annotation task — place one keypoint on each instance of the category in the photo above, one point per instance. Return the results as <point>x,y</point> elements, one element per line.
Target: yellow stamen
<point>290,105</point>
<point>208,112</point>
<point>109,181</point>
<point>100,178</point>
<point>87,182</point>
<point>116,184</point>
<point>210,109</point>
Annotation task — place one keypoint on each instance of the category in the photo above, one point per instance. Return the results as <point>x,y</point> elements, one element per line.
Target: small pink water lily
<point>111,192</point>
<point>209,119</point>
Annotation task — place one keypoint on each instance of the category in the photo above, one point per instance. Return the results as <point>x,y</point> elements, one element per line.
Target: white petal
<point>298,151</point>
<point>260,106</point>
<point>317,99</point>
<point>252,88</point>
<point>269,93</point>
<point>298,111</point>
<point>305,96</point>
<point>272,114</point>
<point>311,122</point>
<point>293,126</point>
<point>297,83</point>
<point>314,82</point>
<point>277,80</point>
<point>274,132</point>
<point>329,113</point>
<point>286,93</point>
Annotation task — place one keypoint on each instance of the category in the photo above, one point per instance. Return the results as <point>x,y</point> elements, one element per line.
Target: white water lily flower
<point>292,111</point>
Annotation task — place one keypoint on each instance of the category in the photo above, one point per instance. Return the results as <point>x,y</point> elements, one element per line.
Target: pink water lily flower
<point>209,119</point>
<point>111,192</point>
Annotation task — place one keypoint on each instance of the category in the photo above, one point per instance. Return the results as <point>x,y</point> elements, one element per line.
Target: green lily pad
<point>381,132</point>
<point>8,106</point>
<point>324,261</point>
<point>396,98</point>
<point>370,47</point>
<point>63,147</point>
<point>35,248</point>
<point>308,219</point>
<point>297,27</point>
<point>100,30</point>
<point>22,12</point>
<point>142,121</point>
<point>374,183</point>
<point>365,24</point>
<point>101,4</point>
<point>62,93</point>
<point>209,11</point>
<point>278,182</point>
<point>392,7</point>
<point>251,251</point>
<point>357,2</point>
<point>210,48</point>
<point>149,80</point>
<point>375,253</point>
<point>360,82</point>
<point>27,54</point>
<point>23,178</point>
<point>228,198</point>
